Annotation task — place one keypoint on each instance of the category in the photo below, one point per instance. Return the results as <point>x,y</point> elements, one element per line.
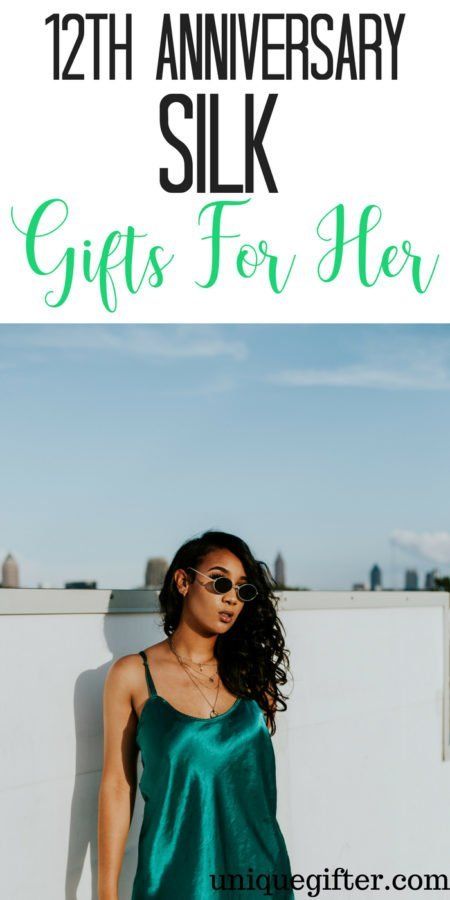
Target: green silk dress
<point>209,830</point>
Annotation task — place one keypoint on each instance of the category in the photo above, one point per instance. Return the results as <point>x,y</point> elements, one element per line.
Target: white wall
<point>362,778</point>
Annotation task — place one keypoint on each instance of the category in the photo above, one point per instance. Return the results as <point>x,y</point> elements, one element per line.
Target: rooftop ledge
<point>60,601</point>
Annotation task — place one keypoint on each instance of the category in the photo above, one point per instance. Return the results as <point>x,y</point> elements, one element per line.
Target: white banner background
<point>98,145</point>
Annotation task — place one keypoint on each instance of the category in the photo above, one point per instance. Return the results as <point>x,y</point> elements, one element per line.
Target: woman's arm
<point>117,790</point>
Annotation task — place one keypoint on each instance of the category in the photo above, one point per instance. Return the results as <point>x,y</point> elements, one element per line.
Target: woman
<point>200,706</point>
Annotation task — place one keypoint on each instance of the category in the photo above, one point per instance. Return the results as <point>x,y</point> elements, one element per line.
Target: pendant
<point>211,679</point>
<point>212,714</point>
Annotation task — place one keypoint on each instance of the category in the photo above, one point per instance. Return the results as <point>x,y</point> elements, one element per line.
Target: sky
<point>329,444</point>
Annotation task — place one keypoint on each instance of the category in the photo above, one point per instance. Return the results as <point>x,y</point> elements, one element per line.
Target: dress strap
<point>150,683</point>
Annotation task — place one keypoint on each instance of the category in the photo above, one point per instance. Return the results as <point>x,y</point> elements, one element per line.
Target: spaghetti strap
<point>150,683</point>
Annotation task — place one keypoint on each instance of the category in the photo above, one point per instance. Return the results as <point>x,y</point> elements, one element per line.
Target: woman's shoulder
<point>128,663</point>
<point>124,674</point>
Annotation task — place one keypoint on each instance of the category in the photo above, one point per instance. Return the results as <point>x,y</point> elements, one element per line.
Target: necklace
<point>204,679</point>
<point>186,669</point>
<point>201,665</point>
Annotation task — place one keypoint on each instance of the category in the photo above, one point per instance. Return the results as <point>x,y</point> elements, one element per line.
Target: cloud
<point>360,376</point>
<point>387,361</point>
<point>431,546</point>
<point>142,341</point>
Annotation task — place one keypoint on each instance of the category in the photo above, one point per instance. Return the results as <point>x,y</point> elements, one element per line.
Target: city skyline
<point>156,568</point>
<point>327,441</point>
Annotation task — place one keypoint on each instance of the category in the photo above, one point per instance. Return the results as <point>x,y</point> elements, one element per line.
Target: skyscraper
<point>375,578</point>
<point>10,572</point>
<point>411,580</point>
<point>430,580</point>
<point>280,570</point>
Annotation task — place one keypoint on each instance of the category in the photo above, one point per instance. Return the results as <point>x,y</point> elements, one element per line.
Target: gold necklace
<point>201,665</point>
<point>209,678</point>
<point>213,707</point>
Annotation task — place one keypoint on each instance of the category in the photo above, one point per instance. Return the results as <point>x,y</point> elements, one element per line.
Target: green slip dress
<point>209,787</point>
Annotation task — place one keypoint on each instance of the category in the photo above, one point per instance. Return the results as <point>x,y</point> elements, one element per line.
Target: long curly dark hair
<point>252,659</point>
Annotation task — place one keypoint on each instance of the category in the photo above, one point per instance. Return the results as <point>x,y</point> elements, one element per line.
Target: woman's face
<point>202,606</point>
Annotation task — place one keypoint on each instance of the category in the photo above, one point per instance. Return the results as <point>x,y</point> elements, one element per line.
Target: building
<point>155,572</point>
<point>376,581</point>
<point>359,586</point>
<point>80,585</point>
<point>10,572</point>
<point>280,571</point>
<point>411,580</point>
<point>430,580</point>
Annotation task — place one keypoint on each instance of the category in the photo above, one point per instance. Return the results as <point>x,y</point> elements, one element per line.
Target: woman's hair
<point>252,659</point>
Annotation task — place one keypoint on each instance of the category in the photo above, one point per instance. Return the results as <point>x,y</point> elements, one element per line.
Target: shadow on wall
<point>88,712</point>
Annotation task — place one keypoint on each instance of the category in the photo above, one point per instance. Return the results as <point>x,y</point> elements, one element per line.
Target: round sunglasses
<point>222,585</point>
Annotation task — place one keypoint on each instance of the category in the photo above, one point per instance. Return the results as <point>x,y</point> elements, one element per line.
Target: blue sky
<point>329,443</point>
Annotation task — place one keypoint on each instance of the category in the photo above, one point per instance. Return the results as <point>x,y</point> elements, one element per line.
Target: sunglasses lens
<point>247,592</point>
<point>222,585</point>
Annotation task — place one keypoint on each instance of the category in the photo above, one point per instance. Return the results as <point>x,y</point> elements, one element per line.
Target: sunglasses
<point>222,585</point>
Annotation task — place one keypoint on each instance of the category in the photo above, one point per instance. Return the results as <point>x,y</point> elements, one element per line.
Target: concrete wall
<point>362,752</point>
